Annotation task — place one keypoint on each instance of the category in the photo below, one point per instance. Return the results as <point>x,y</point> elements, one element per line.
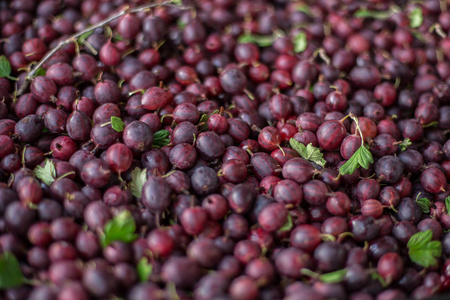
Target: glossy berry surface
<point>224,149</point>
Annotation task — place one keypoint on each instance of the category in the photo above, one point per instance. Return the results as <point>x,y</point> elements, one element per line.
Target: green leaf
<point>309,152</point>
<point>118,37</point>
<point>181,24</point>
<point>422,250</point>
<point>246,38</point>
<point>177,2</point>
<point>447,204</point>
<point>144,269</point>
<point>10,273</point>
<point>138,178</point>
<point>46,174</point>
<point>204,119</point>
<point>361,158</point>
<point>264,40</point>
<point>161,138</point>
<point>364,13</point>
<point>117,124</point>
<point>288,225</point>
<point>424,204</point>
<point>5,67</point>
<point>405,144</point>
<point>303,7</point>
<point>121,228</point>
<point>260,40</point>
<point>300,42</point>
<point>333,277</point>
<point>40,72</point>
<point>84,36</point>
<point>416,17</point>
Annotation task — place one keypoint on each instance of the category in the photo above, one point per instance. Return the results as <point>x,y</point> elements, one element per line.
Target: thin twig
<point>73,38</point>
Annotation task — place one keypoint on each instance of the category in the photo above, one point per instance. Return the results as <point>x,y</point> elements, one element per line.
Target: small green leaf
<point>300,42</point>
<point>177,2</point>
<point>117,124</point>
<point>204,119</point>
<point>246,38</point>
<point>364,13</point>
<point>422,250</point>
<point>447,204</point>
<point>10,273</point>
<point>202,122</point>
<point>118,37</point>
<point>40,72</point>
<point>46,174</point>
<point>333,277</point>
<point>138,178</point>
<point>309,152</point>
<point>144,269</point>
<point>288,225</point>
<point>304,8</point>
<point>264,40</point>
<point>181,25</point>
<point>416,17</point>
<point>121,228</point>
<point>84,36</point>
<point>361,158</point>
<point>424,204</point>
<point>161,138</point>
<point>405,144</point>
<point>260,40</point>
<point>5,67</point>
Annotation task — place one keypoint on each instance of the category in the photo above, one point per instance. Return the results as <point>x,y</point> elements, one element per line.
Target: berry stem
<point>354,118</point>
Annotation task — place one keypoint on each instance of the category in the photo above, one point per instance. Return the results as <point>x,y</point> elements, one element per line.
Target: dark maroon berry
<point>330,135</point>
<point>233,170</point>
<point>63,147</point>
<point>109,54</point>
<point>29,191</point>
<point>107,92</point>
<point>43,89</point>
<point>389,168</point>
<point>433,180</point>
<point>86,64</point>
<point>156,194</point>
<point>55,120</point>
<point>183,156</point>
<point>233,80</point>
<point>25,105</point>
<point>209,146</point>
<point>155,98</point>
<point>34,49</point>
<point>78,126</point>
<point>129,26</point>
<point>96,173</point>
<point>29,128</point>
<point>61,73</point>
